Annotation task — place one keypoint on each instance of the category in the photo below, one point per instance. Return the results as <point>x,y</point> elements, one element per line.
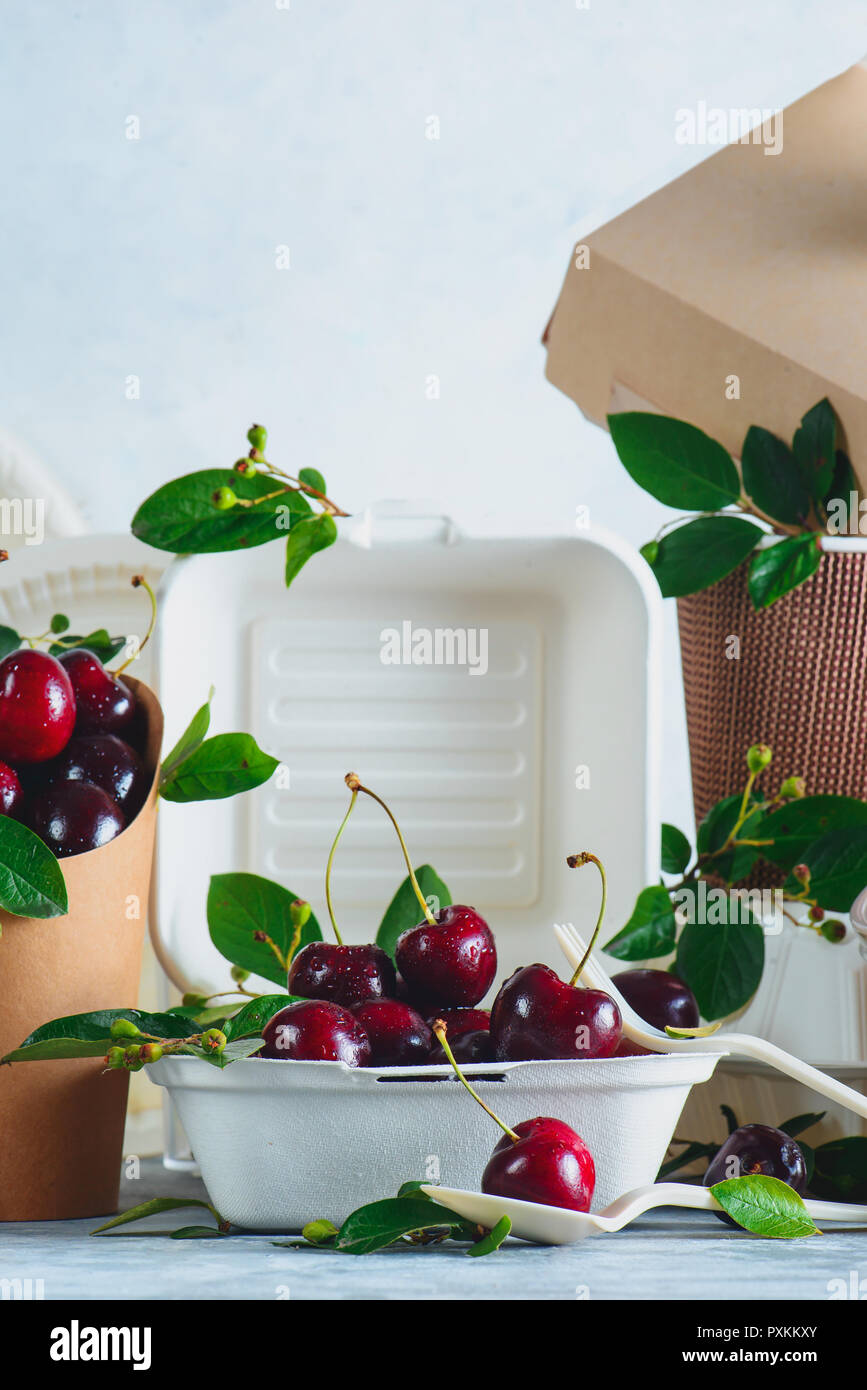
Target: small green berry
<point>320,1232</point>
<point>816,913</point>
<point>833,931</point>
<point>650,551</point>
<point>150,1052</point>
<point>239,974</point>
<point>793,787</point>
<point>257,436</point>
<point>802,873</point>
<point>246,467</point>
<point>223,499</point>
<point>114,1058</point>
<point>132,1058</point>
<point>195,1001</point>
<point>758,757</point>
<point>299,913</point>
<point>123,1028</point>
<point>214,1040</point>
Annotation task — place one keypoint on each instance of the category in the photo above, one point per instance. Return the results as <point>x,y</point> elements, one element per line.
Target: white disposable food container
<point>283,1143</point>
<point>495,778</point>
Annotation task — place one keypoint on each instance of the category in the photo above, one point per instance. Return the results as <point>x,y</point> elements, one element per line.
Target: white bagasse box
<point>495,779</point>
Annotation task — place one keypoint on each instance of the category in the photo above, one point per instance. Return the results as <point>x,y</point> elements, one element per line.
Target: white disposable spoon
<point>557,1226</point>
<point>725,1044</point>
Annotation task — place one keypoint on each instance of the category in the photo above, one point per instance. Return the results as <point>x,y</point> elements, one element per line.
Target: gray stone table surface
<point>671,1254</point>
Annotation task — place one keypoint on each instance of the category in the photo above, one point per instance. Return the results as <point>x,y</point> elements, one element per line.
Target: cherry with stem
<point>540,1160</point>
<point>450,959</point>
<point>340,973</point>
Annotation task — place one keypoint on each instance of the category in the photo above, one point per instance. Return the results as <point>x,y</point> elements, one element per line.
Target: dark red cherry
<point>105,704</point>
<point>659,997</point>
<point>107,762</point>
<point>759,1149</point>
<point>398,1035</point>
<point>314,1030</point>
<point>452,962</point>
<point>474,1046</point>
<point>11,795</point>
<point>344,975</point>
<point>37,707</point>
<point>74,817</point>
<point>537,1015</point>
<point>550,1163</point>
<point>628,1048</point>
<point>459,1021</point>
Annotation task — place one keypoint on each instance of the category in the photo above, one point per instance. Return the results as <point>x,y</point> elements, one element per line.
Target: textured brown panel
<point>799,684</point>
<point>61,1123</point>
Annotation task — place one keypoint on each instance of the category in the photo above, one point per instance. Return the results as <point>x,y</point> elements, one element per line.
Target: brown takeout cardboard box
<point>747,274</point>
<point>61,1123</point>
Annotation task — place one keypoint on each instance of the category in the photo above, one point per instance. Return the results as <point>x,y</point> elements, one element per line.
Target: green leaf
<point>815,448</point>
<point>31,881</point>
<point>378,1224</point>
<point>773,478</point>
<point>404,912</point>
<point>722,963</point>
<point>494,1238</point>
<point>797,825</point>
<point>313,478</point>
<point>650,930</point>
<point>307,537</point>
<point>10,641</point>
<point>221,766</point>
<point>702,552</point>
<point>198,1233</point>
<point>59,623</point>
<point>799,1123</point>
<point>236,1051</point>
<point>99,642</point>
<point>780,568</point>
<point>840,1173</point>
<point>766,1206</point>
<point>192,737</point>
<point>414,1189</point>
<point>715,830</point>
<point>676,850</point>
<point>155,1207</point>
<point>843,483</point>
<point>730,1118</point>
<point>838,869</point>
<point>181,516</point>
<point>250,1020</point>
<point>690,1154</point>
<point>241,904</point>
<point>89,1034</point>
<point>675,462</point>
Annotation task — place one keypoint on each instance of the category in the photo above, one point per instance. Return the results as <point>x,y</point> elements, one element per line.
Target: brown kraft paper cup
<point>61,1123</point>
<point>799,684</point>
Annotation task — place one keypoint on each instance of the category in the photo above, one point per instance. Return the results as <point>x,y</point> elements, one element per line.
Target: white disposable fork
<point>724,1044</point>
<point>556,1226</point>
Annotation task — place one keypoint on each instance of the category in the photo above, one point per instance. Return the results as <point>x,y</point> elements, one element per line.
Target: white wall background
<point>266,124</point>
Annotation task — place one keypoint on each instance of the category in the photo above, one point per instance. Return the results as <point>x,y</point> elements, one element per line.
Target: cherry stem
<point>336,929</point>
<point>139,582</point>
<point>355,785</point>
<point>575,861</point>
<point>439,1027</point>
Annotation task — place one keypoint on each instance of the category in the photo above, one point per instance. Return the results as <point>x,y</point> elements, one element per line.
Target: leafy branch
<point>797,494</point>
<point>253,502</point>
<point>715,934</point>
